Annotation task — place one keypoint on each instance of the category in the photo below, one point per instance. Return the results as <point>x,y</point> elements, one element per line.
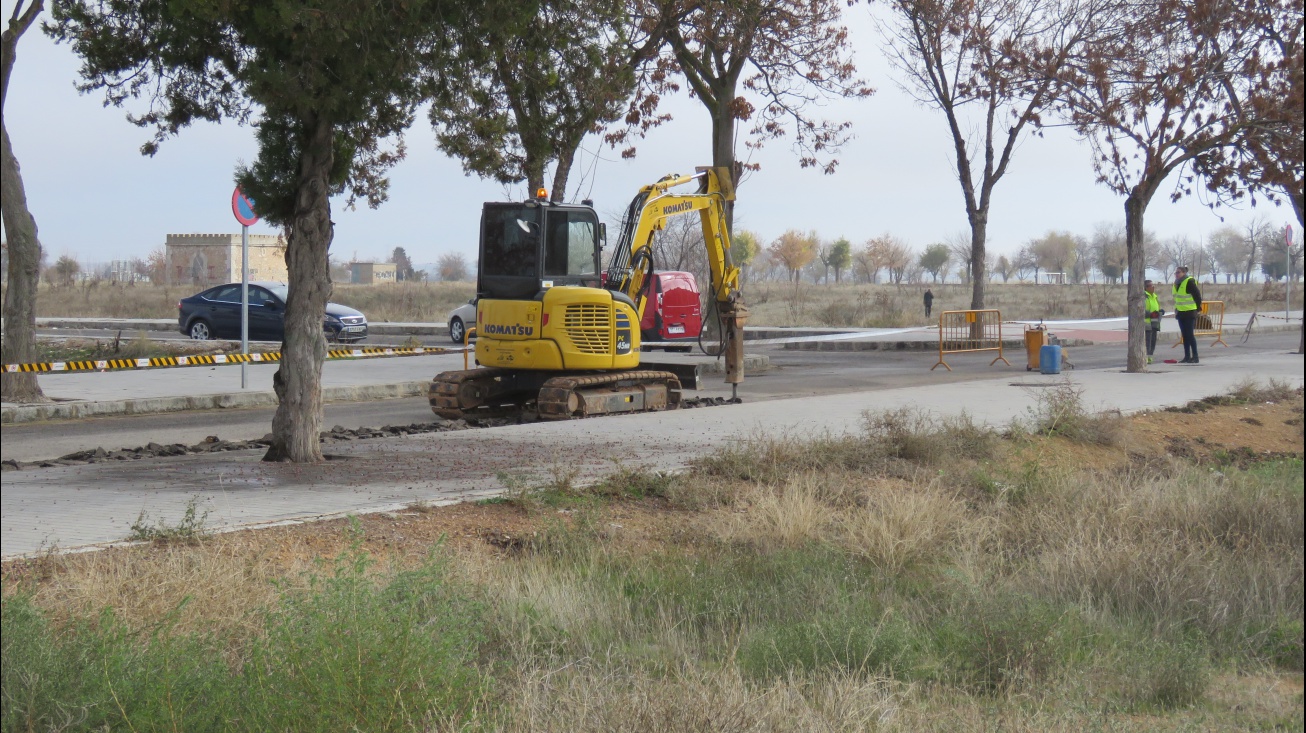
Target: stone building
<point>212,259</point>
<point>372,273</point>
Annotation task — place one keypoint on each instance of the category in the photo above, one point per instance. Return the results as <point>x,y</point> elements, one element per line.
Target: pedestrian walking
<point>1151,317</point>
<point>1187,304</point>
<point>929,302</point>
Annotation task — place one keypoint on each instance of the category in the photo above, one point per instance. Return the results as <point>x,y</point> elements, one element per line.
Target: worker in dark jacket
<point>929,302</point>
<point>1187,304</point>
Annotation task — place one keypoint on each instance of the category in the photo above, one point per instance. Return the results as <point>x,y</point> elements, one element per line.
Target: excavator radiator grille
<point>589,327</point>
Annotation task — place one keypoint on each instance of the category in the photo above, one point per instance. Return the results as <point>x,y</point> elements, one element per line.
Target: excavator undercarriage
<point>490,392</point>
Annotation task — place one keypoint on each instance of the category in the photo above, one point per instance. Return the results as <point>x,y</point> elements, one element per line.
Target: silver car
<point>462,317</point>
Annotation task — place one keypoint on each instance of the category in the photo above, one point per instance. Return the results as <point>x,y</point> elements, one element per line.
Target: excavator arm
<point>631,268</point>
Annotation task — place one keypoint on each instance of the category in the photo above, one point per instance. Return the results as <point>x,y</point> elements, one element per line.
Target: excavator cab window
<point>510,251</point>
<point>570,245</point>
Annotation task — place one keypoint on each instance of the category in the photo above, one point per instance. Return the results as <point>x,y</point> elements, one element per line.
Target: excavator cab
<point>529,247</point>
<point>541,304</point>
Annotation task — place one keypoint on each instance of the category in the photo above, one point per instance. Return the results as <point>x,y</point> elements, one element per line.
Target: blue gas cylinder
<point>1049,359</point>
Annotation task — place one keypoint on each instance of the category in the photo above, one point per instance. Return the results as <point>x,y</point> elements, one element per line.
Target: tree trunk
<point>19,342</point>
<point>1135,205</point>
<point>24,276</point>
<point>561,174</point>
<point>723,148</point>
<point>978,273</point>
<point>298,381</point>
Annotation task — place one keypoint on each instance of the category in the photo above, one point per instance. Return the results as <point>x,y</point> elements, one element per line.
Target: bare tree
<point>961,252</point>
<point>1256,234</point>
<point>990,66</point>
<point>1151,94</point>
<point>23,245</point>
<point>1177,251</point>
<point>1026,264</point>
<point>680,245</point>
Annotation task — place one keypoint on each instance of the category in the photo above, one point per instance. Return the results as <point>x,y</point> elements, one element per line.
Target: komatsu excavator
<point>556,333</point>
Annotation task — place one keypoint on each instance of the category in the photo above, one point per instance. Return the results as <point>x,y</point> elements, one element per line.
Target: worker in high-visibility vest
<point>1151,317</point>
<point>1187,304</point>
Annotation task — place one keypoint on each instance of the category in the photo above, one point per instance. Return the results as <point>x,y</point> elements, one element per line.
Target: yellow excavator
<point>556,333</point>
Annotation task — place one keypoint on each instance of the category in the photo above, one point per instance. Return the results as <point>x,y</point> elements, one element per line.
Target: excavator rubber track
<point>490,392</point>
<point>472,393</point>
<point>564,398</point>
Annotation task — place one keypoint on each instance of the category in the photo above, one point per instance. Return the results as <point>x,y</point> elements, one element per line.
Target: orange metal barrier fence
<point>962,332</point>
<point>1210,322</point>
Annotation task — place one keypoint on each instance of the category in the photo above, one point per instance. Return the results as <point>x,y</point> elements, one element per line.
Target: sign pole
<point>244,301</point>
<point>243,207</point>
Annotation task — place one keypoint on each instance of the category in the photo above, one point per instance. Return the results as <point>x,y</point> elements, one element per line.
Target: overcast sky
<point>95,197</point>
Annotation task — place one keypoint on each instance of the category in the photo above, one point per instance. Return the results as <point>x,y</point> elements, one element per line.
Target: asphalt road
<point>793,374</point>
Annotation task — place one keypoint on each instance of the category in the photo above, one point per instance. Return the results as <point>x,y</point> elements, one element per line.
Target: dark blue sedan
<point>215,313</point>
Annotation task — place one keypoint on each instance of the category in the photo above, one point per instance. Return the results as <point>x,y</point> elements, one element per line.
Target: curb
<point>233,400</point>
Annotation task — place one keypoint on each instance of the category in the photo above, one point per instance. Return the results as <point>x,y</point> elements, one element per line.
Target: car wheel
<point>199,330</point>
<point>456,329</point>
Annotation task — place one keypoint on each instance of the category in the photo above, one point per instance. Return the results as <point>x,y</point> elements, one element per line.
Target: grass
<point>918,575</point>
<point>344,653</point>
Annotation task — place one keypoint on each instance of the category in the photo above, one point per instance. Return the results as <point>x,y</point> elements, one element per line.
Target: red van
<point>674,310</point>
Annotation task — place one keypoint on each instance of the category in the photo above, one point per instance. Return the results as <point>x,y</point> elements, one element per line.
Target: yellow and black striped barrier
<point>103,365</point>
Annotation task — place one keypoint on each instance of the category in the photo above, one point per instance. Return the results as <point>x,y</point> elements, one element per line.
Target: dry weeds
<point>612,696</point>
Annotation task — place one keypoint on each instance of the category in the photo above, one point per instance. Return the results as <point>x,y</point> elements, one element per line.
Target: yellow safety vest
<point>1153,305</point>
<point>1182,300</point>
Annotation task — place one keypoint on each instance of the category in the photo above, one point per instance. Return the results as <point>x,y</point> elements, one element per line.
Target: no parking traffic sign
<point>243,207</point>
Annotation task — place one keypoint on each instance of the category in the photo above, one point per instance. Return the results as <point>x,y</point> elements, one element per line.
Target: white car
<point>461,317</point>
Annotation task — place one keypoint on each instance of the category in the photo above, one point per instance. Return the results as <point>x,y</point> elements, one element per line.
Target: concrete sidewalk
<point>78,506</point>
